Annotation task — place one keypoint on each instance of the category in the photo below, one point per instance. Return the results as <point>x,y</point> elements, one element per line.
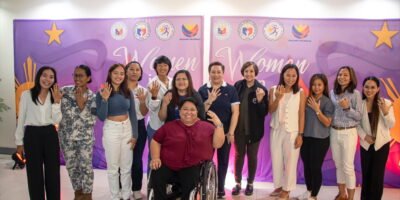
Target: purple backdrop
<point>315,45</point>
<point>99,43</point>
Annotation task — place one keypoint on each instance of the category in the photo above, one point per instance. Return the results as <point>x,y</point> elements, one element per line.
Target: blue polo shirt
<point>222,106</point>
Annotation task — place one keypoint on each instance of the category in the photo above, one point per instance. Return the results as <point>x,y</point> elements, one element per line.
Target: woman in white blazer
<point>374,132</point>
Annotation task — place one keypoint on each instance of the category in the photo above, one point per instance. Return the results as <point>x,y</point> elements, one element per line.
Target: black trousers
<point>242,148</point>
<point>187,178</point>
<point>42,152</point>
<point>137,164</point>
<point>223,162</point>
<point>313,153</point>
<point>373,171</point>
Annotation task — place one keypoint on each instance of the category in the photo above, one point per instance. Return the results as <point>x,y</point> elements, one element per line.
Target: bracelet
<point>219,125</point>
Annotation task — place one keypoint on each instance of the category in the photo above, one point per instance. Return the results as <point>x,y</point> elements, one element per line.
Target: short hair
<point>160,60</point>
<point>214,64</point>
<point>189,99</point>
<point>324,80</point>
<point>248,64</point>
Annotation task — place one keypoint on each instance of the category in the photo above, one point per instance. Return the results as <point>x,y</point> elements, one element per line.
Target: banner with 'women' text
<point>372,47</point>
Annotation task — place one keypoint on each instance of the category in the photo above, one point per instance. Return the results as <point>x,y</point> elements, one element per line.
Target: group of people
<point>186,125</point>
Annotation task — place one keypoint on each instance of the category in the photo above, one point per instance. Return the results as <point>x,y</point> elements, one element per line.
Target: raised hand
<point>214,94</point>
<point>56,93</point>
<point>154,88</point>
<point>214,118</point>
<point>80,97</point>
<point>383,106</point>
<point>279,91</point>
<point>315,105</point>
<point>344,103</point>
<point>167,98</point>
<point>260,93</point>
<point>141,95</point>
<point>105,92</point>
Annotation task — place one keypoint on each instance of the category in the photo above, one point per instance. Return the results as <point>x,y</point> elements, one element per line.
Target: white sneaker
<point>305,196</point>
<point>137,194</point>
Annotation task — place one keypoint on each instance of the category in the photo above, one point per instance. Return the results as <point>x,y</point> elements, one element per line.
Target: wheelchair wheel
<point>209,182</point>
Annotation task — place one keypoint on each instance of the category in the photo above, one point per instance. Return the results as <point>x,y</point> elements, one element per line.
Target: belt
<point>343,128</point>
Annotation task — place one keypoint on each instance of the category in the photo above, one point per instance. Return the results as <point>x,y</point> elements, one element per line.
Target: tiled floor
<point>13,186</point>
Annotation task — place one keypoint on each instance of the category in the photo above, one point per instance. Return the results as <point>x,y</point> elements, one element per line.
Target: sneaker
<point>236,189</point>
<point>305,196</point>
<point>249,190</point>
<point>221,195</point>
<point>137,194</point>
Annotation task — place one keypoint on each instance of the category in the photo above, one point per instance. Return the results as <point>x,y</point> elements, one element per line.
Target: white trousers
<point>116,136</point>
<point>343,145</point>
<point>284,158</point>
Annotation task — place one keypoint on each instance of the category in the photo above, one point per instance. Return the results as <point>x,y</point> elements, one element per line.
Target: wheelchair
<point>206,188</point>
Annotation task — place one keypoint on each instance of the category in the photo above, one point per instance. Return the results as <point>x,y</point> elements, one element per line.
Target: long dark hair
<point>140,66</point>
<point>36,88</point>
<point>174,90</point>
<point>295,87</point>
<point>324,80</point>
<point>123,88</point>
<point>353,81</point>
<point>375,107</point>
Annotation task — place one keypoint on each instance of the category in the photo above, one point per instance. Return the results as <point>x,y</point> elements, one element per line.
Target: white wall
<point>66,9</point>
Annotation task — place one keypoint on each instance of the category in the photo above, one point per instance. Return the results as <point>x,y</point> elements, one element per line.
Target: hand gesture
<point>155,164</point>
<point>133,143</point>
<point>56,93</point>
<point>213,118</point>
<point>344,103</point>
<point>383,106</point>
<point>167,98</point>
<point>80,97</point>
<point>105,91</point>
<point>279,91</point>
<point>214,94</point>
<point>315,105</point>
<point>260,93</point>
<point>154,88</point>
<point>141,95</point>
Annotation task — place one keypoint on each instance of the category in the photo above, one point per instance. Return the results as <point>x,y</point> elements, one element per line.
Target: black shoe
<point>221,195</point>
<point>236,190</point>
<point>249,190</point>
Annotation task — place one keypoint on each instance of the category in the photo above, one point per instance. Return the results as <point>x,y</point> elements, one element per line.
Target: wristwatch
<point>318,113</point>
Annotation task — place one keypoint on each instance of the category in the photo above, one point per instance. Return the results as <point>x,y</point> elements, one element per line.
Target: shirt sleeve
<point>159,135</point>
<point>328,108</point>
<point>56,113</point>
<point>19,132</point>
<point>234,97</point>
<point>101,107</point>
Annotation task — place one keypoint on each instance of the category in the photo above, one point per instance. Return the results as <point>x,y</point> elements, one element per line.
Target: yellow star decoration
<point>54,34</point>
<point>384,36</point>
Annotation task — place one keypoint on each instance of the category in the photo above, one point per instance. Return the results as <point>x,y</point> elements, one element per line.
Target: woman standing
<point>377,118</point>
<point>318,117</point>
<point>37,136</point>
<point>134,72</point>
<point>250,129</point>
<point>116,106</point>
<point>347,102</point>
<point>222,99</point>
<point>287,107</point>
<point>76,131</point>
<point>182,87</point>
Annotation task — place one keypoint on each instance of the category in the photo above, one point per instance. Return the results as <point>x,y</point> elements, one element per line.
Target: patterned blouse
<point>77,124</point>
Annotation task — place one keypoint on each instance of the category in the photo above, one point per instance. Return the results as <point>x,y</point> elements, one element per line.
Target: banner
<point>99,43</point>
<point>372,47</point>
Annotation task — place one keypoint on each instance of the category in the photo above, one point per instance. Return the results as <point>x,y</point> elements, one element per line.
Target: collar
<point>224,84</point>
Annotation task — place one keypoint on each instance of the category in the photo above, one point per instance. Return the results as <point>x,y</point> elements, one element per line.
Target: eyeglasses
<point>78,75</point>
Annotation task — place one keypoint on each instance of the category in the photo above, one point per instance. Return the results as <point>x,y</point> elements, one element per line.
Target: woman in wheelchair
<point>179,147</point>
